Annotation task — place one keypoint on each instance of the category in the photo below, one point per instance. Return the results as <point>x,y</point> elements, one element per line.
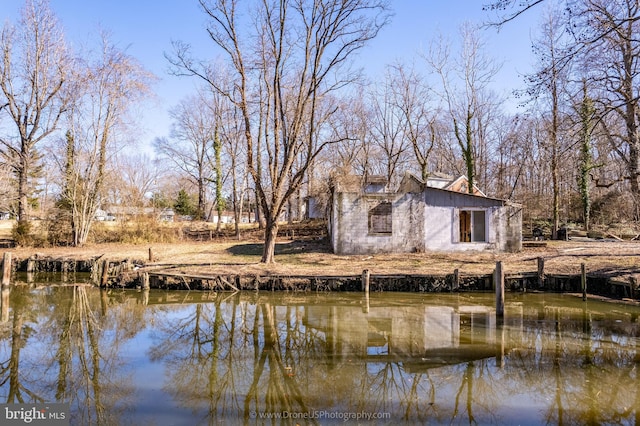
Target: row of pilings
<point>129,273</point>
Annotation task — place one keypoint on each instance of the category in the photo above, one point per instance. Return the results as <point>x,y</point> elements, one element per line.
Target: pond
<point>187,358</point>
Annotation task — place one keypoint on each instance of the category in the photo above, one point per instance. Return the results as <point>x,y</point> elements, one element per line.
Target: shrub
<point>137,231</point>
<point>24,235</point>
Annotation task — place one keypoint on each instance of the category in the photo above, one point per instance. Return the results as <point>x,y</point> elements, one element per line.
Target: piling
<point>499,284</point>
<point>456,280</point>
<point>540,272</point>
<point>145,280</point>
<point>6,268</point>
<point>365,281</point>
<point>31,265</point>
<point>583,281</point>
<point>150,255</point>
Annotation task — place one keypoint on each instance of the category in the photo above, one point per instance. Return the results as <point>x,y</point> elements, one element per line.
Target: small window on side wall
<point>472,226</point>
<point>380,218</point>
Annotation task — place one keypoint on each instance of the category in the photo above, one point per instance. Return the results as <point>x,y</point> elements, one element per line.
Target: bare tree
<point>137,176</point>
<point>546,87</point>
<point>607,34</point>
<point>350,126</point>
<point>508,10</point>
<point>466,94</point>
<point>231,136</point>
<point>421,125</point>
<point>34,68</point>
<point>387,128</point>
<point>105,91</point>
<point>300,57</point>
<point>191,144</point>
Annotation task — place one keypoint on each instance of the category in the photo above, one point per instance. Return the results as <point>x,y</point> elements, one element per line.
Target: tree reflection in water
<point>234,357</point>
<point>58,350</point>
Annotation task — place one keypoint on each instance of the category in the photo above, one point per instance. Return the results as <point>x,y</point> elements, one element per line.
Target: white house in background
<point>166,215</point>
<point>226,217</point>
<point>448,182</point>
<point>366,218</point>
<point>112,213</point>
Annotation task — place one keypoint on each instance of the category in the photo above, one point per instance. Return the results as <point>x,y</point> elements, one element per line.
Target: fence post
<point>540,272</point>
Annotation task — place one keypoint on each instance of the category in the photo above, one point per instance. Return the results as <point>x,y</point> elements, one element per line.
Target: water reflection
<point>129,357</point>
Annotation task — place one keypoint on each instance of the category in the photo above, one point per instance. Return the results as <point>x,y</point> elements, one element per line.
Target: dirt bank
<point>299,257</point>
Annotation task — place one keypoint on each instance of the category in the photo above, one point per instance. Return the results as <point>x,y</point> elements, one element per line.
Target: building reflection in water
<point>420,337</point>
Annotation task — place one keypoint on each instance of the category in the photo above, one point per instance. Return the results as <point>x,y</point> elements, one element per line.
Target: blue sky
<point>146,27</point>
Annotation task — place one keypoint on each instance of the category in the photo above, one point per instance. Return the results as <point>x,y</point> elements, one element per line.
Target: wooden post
<point>145,281</point>
<point>583,280</point>
<point>6,268</point>
<point>365,281</point>
<point>150,255</point>
<point>456,280</point>
<point>633,283</point>
<point>105,273</point>
<point>499,284</point>
<point>540,272</point>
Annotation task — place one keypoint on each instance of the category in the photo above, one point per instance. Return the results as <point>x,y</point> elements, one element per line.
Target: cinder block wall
<point>350,234</point>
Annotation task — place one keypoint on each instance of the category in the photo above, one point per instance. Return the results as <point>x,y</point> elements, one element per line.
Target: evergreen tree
<point>184,205</point>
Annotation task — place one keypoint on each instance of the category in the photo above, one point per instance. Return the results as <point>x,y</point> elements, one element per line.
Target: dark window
<point>472,226</point>
<point>380,218</point>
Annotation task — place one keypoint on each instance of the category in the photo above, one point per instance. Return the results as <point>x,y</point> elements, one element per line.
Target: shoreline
<point>612,269</point>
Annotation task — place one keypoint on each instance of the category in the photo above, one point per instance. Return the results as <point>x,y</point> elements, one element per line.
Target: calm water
<point>185,358</point>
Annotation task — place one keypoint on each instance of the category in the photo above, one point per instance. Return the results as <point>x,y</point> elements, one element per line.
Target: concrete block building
<point>365,218</point>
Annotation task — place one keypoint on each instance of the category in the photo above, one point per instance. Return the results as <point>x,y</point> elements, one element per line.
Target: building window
<point>380,218</point>
<point>472,226</point>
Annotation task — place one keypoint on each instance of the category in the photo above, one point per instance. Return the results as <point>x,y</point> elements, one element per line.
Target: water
<point>187,358</point>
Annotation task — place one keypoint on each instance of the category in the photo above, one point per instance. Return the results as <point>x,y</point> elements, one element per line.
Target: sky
<point>146,28</point>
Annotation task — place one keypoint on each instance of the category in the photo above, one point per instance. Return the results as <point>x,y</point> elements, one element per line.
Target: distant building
<point>226,217</point>
<point>450,183</point>
<point>418,217</point>
<point>166,215</point>
<point>112,213</point>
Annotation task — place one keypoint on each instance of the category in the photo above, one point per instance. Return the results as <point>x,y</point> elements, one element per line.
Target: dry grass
<point>5,228</point>
<point>314,258</point>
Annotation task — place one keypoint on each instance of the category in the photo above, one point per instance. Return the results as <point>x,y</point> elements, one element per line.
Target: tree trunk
<point>270,235</point>
<point>23,187</point>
